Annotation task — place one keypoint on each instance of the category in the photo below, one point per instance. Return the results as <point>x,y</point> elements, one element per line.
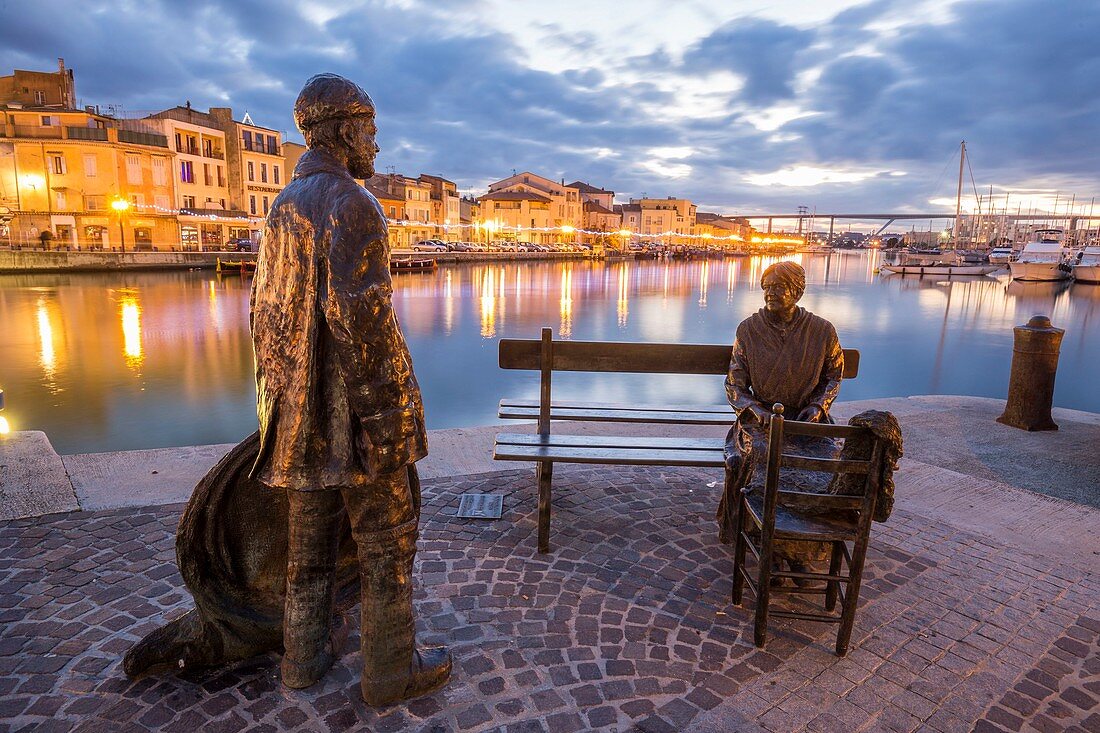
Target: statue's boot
<point>310,639</point>
<point>393,668</point>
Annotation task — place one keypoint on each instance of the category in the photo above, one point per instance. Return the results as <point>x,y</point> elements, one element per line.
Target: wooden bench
<point>545,449</point>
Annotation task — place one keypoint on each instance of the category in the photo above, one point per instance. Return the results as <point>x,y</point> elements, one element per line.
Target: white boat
<point>936,263</point>
<point>1041,261</point>
<point>1087,267</point>
<point>1001,255</point>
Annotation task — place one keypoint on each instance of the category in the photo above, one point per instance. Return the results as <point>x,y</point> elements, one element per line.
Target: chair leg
<point>763,590</point>
<point>544,472</point>
<point>833,587</point>
<point>851,596</point>
<point>739,553</point>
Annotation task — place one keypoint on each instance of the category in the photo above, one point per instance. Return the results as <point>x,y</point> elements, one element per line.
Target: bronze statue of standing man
<point>341,418</point>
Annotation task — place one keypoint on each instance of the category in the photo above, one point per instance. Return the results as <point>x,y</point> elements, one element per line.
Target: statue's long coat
<point>337,400</point>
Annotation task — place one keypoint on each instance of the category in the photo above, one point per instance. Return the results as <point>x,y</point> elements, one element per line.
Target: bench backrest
<point>648,358</point>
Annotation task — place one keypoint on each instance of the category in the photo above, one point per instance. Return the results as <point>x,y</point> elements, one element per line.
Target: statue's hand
<point>754,414</point>
<point>812,413</point>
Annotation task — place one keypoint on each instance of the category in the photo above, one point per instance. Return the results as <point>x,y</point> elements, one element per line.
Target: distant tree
<point>892,242</point>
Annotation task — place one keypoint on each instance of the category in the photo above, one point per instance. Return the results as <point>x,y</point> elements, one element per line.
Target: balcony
<point>142,138</point>
<point>86,133</point>
<point>219,155</point>
<point>187,149</point>
<point>256,146</point>
<point>37,131</point>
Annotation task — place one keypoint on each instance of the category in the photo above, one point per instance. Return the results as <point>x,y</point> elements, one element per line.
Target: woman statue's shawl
<point>231,551</point>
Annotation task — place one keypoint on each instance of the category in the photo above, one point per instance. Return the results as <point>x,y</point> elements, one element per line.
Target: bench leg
<point>544,472</point>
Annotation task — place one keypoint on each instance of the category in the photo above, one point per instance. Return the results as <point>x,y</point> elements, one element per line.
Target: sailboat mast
<point>959,193</point>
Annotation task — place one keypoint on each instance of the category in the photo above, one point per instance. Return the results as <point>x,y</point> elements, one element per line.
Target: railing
<point>188,149</point>
<point>86,133</point>
<point>38,131</point>
<point>142,138</point>
<point>213,154</point>
<point>259,147</point>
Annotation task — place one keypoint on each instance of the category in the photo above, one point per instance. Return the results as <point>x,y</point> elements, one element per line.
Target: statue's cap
<point>330,97</point>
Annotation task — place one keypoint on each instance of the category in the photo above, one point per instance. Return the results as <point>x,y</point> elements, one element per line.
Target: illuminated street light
<point>121,205</point>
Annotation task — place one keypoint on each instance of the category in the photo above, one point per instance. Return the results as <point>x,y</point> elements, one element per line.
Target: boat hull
<point>949,270</point>
<point>1087,274</point>
<point>1038,271</point>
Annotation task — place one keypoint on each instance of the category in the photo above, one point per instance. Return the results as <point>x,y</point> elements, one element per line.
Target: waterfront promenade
<point>981,608</point>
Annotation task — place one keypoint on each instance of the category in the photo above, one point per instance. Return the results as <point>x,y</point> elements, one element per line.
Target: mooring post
<point>1031,384</point>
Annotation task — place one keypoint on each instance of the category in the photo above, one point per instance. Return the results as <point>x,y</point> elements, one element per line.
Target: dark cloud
<point>458,97</point>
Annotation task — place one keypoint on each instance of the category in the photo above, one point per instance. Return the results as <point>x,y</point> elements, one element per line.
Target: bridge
<point>889,218</point>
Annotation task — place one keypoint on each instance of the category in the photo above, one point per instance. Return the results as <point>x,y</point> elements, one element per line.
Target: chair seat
<point>791,524</point>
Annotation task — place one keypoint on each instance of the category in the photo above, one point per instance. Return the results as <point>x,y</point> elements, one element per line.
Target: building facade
<point>257,169</point>
<point>79,180</point>
<point>416,224</point>
<point>564,211</point>
<point>446,209</point>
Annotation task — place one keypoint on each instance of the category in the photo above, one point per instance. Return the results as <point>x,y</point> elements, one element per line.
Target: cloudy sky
<point>743,105</point>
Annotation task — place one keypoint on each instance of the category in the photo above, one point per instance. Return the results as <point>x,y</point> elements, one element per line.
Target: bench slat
<point>638,442</point>
<point>639,416</point>
<point>573,404</point>
<point>646,358</point>
<point>616,456</point>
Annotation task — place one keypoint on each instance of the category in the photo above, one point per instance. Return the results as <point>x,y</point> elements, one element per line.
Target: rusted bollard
<point>1031,384</point>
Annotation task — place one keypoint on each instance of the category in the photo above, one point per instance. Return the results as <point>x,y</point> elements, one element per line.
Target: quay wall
<point>32,261</point>
<point>22,261</point>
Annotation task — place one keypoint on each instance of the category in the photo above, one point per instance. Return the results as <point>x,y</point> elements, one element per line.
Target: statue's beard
<point>361,166</point>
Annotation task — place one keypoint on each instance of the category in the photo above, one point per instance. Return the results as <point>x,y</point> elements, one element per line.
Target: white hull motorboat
<point>1087,268</point>
<point>1038,271</point>
<point>1041,261</point>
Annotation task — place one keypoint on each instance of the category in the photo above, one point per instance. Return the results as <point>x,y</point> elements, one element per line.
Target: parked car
<point>429,245</point>
<point>459,247</point>
<point>241,244</point>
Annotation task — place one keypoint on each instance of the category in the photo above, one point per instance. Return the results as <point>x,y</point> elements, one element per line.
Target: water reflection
<point>131,330</point>
<point>186,372</point>
<point>46,354</point>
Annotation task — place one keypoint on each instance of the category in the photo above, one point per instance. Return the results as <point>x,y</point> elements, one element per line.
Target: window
<point>206,178</point>
<point>247,137</point>
<point>179,143</point>
<point>187,172</point>
<point>93,203</point>
<point>221,178</point>
<point>160,177</point>
<point>90,166</point>
<point>251,202</point>
<point>51,121</point>
<point>251,171</point>
<point>57,163</point>
<point>161,202</point>
<point>59,200</point>
<point>133,168</point>
<point>39,97</point>
<point>275,172</point>
<point>138,200</point>
<point>272,147</point>
<point>263,172</point>
<point>265,205</point>
<point>393,212</point>
<point>188,202</point>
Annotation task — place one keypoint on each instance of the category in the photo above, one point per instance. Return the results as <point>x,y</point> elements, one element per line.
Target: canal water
<point>142,360</point>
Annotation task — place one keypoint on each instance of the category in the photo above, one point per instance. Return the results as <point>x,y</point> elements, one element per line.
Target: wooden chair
<point>790,522</point>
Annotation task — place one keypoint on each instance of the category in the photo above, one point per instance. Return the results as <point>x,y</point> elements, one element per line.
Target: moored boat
<point>411,265</point>
<point>238,267</point>
<point>1087,267</point>
<point>1001,255</point>
<point>1041,261</point>
<point>935,263</point>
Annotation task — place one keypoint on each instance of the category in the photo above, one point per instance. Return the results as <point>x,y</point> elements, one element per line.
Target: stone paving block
<point>950,639</point>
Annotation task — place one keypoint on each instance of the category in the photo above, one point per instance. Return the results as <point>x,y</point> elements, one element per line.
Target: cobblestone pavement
<point>627,625</point>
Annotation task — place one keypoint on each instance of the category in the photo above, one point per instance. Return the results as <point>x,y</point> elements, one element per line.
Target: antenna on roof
<point>513,171</point>
<point>247,119</point>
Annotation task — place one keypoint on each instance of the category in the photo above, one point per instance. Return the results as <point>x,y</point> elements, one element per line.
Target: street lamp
<point>121,205</point>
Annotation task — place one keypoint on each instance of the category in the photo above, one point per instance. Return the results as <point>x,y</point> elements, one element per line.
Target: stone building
<point>416,223</point>
<point>563,211</point>
<point>446,210</point>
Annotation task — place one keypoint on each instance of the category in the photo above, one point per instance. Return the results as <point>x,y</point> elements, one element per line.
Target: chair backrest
<point>611,356</point>
<point>871,468</point>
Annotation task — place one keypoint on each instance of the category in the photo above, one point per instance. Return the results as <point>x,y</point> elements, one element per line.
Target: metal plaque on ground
<point>481,506</point>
